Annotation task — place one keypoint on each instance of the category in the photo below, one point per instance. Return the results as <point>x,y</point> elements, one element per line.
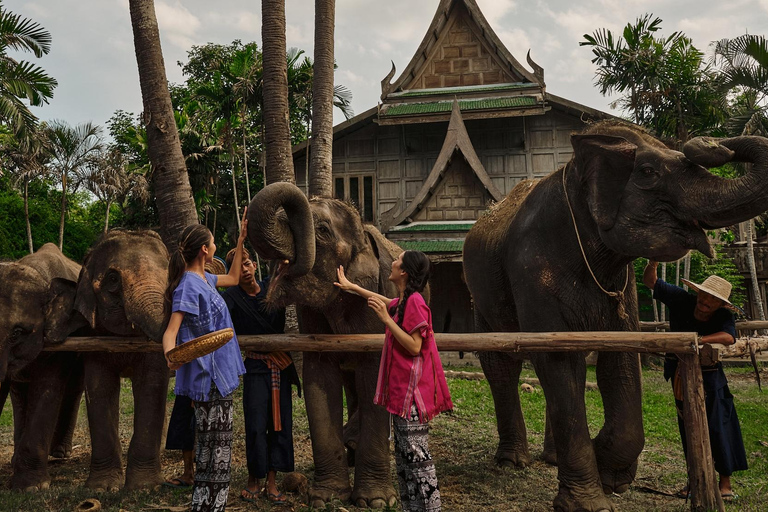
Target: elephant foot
<point>108,481</point>
<point>566,501</point>
<point>374,496</point>
<point>513,458</point>
<point>135,481</point>
<point>30,482</point>
<point>319,496</point>
<point>617,480</point>
<point>62,451</point>
<point>549,456</point>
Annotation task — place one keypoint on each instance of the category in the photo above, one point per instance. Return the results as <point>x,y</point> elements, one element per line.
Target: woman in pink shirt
<point>411,383</point>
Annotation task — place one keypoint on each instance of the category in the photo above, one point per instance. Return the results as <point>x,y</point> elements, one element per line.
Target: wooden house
<point>461,125</point>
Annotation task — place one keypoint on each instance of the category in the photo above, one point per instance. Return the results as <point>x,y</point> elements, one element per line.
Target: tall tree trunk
<point>106,217</point>
<point>173,194</point>
<point>26,216</point>
<point>321,180</point>
<point>245,166</point>
<point>63,209</point>
<point>279,160</point>
<point>663,314</point>
<point>758,304</point>
<point>233,160</point>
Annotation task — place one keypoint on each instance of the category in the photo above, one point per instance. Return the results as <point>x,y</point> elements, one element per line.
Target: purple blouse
<point>204,312</point>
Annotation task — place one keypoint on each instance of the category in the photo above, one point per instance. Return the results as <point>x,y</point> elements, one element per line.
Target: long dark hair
<point>191,240</point>
<point>416,264</point>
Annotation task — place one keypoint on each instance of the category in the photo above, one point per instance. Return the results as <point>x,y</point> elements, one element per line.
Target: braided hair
<point>416,264</point>
<point>191,240</point>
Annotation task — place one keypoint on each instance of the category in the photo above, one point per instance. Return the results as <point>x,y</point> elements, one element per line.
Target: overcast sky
<point>93,59</point>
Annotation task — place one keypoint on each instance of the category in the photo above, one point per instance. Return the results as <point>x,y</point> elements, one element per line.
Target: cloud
<point>177,24</point>
<point>495,10</point>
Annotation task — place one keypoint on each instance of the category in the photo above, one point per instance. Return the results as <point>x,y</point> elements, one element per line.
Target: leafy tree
<point>664,82</point>
<point>68,149</point>
<point>22,81</point>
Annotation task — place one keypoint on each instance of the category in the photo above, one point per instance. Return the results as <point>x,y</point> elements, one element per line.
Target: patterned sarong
<point>214,453</point>
<point>416,474</point>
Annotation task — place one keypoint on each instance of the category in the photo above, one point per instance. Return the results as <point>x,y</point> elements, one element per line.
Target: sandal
<point>275,499</point>
<point>729,496</point>
<point>249,495</point>
<point>178,483</point>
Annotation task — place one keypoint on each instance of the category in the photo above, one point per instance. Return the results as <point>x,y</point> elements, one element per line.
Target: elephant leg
<point>352,427</point>
<point>61,446</point>
<point>102,399</point>
<point>42,405</point>
<point>150,389</point>
<point>563,378</point>
<point>373,483</point>
<point>549,455</point>
<point>19,402</point>
<point>503,373</point>
<point>323,399</point>
<point>620,441</point>
<point>5,389</point>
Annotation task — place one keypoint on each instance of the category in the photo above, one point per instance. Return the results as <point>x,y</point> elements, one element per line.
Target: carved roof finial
<point>538,71</point>
<point>386,83</point>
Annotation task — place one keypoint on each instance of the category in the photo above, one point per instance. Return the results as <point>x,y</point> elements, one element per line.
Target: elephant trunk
<point>280,227</point>
<point>718,202</point>
<point>144,308</point>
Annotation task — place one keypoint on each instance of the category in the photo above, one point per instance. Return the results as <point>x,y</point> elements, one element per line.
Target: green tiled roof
<point>459,90</point>
<point>437,227</point>
<point>446,106</point>
<point>431,246</point>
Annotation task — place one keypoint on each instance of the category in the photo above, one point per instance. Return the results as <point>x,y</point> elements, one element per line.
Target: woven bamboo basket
<point>200,346</point>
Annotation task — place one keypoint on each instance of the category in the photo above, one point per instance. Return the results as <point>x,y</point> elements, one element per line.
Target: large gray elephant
<point>120,291</point>
<point>317,236</point>
<point>557,256</point>
<point>45,388</point>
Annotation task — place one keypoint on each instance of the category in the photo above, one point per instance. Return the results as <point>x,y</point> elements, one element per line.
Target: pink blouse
<point>405,379</point>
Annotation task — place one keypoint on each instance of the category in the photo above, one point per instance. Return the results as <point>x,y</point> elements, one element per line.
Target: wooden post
<point>702,480</point>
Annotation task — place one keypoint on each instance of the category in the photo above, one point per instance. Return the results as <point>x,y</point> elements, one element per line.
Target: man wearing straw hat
<point>706,313</point>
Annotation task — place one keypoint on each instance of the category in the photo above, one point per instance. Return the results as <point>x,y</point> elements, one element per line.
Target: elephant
<point>556,255</point>
<point>45,388</point>
<point>120,291</point>
<point>316,236</point>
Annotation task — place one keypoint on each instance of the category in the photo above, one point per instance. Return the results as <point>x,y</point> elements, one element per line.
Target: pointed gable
<point>462,57</point>
<point>467,182</point>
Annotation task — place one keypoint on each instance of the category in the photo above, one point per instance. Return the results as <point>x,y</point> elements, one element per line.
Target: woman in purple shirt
<point>198,309</point>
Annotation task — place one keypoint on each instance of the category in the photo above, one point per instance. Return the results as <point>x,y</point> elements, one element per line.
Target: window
<point>359,191</point>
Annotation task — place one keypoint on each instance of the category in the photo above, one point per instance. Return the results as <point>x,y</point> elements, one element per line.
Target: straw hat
<point>217,266</point>
<point>715,286</point>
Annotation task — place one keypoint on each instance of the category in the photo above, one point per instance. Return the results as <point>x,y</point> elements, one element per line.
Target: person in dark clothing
<point>705,313</point>
<point>266,386</point>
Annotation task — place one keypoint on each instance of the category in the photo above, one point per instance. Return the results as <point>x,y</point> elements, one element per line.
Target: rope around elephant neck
<point>619,296</point>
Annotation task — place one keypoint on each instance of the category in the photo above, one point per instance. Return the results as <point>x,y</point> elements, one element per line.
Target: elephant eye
<point>112,280</point>
<point>323,229</point>
<point>648,169</point>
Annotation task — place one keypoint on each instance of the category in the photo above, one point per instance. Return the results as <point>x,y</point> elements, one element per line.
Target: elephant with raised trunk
<point>120,291</point>
<point>557,256</point>
<point>45,387</point>
<point>315,237</point>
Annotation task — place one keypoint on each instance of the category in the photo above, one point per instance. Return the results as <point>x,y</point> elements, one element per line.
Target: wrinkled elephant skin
<point>629,196</point>
<point>316,237</point>
<point>120,291</point>
<point>45,388</point>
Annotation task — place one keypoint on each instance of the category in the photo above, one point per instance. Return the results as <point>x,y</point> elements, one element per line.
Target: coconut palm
<point>321,181</point>
<point>68,149</point>
<point>173,194</point>
<point>22,81</point>
<point>277,144</point>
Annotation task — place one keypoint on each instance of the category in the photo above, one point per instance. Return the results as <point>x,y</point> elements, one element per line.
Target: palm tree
<point>321,181</point>
<point>26,163</point>
<point>22,81</point>
<point>743,63</point>
<point>279,161</point>
<point>68,149</point>
<point>107,175</point>
<point>173,194</point>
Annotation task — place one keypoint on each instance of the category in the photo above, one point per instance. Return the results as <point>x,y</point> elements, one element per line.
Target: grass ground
<point>462,443</point>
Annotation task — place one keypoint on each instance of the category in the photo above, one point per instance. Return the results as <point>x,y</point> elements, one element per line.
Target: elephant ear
<point>61,319</point>
<point>605,164</point>
<point>85,297</point>
<point>385,252</point>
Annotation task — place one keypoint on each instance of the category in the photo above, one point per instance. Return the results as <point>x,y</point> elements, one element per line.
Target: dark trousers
<point>181,426</point>
<point>266,449</point>
<point>724,431</point>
